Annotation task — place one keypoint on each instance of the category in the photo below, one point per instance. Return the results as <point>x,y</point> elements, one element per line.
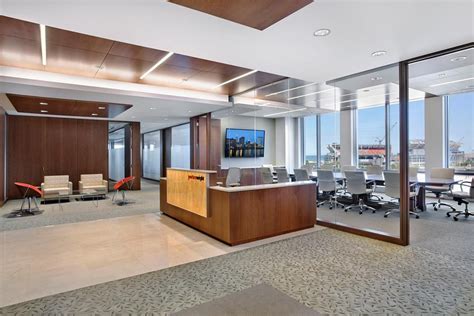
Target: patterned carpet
<point>145,201</point>
<point>329,271</point>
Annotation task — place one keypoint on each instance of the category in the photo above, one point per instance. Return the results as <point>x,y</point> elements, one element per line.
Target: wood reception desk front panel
<point>187,189</point>
<point>243,214</point>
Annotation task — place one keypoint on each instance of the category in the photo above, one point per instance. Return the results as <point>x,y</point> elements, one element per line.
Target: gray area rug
<point>145,201</point>
<point>328,271</point>
<point>260,300</point>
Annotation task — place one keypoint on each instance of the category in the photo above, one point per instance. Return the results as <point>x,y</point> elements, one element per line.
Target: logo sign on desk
<point>194,177</point>
<point>187,189</point>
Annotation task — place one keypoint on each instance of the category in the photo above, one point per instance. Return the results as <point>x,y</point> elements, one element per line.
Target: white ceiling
<point>404,28</point>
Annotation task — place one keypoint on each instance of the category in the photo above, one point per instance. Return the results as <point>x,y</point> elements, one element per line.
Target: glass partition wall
<point>151,155</point>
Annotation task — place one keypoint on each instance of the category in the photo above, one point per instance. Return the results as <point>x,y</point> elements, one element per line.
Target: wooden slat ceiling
<point>33,104</point>
<point>258,14</point>
<point>83,55</point>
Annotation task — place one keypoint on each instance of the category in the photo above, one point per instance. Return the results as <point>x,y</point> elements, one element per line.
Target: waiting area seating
<point>120,187</point>
<point>56,185</point>
<point>94,182</point>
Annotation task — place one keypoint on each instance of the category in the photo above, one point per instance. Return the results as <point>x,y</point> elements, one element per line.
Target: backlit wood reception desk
<point>240,214</point>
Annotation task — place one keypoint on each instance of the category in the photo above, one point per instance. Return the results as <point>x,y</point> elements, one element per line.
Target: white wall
<point>280,146</point>
<point>247,122</point>
<point>434,133</point>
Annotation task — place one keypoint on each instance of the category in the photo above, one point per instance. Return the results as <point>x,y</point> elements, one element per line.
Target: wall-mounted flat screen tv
<point>244,143</point>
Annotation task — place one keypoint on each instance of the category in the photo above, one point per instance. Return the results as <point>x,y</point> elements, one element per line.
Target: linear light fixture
<point>288,90</point>
<point>285,112</point>
<point>236,78</point>
<point>162,60</point>
<point>449,82</point>
<point>43,43</point>
<point>308,94</point>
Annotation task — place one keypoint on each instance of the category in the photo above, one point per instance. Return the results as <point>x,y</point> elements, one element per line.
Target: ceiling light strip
<point>162,60</point>
<point>288,90</point>
<point>308,94</point>
<point>449,82</point>
<point>237,78</point>
<point>43,43</point>
<point>286,112</point>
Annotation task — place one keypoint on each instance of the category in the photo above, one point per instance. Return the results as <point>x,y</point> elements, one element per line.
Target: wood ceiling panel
<point>77,40</point>
<point>136,52</point>
<point>19,52</point>
<point>31,104</point>
<point>168,75</point>
<point>258,14</point>
<point>19,28</point>
<point>83,55</point>
<point>78,62</point>
<point>123,69</point>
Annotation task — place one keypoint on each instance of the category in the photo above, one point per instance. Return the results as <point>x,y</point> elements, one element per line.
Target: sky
<point>371,124</point>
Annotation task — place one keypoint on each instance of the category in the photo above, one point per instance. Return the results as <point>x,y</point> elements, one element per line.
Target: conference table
<point>421,181</point>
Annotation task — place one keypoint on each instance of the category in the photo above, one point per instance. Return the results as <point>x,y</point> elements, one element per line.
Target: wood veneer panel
<point>258,14</point>
<point>39,146</point>
<point>24,152</point>
<point>2,154</point>
<point>59,149</point>
<point>31,104</point>
<point>92,139</point>
<point>136,159</point>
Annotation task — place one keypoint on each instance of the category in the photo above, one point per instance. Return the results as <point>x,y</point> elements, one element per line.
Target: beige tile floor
<point>41,261</point>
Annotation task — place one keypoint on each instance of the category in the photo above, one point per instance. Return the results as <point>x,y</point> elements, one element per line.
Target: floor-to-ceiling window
<point>151,155</point>
<point>310,139</point>
<point>180,146</point>
<point>371,136</point>
<point>460,131</point>
<point>330,139</point>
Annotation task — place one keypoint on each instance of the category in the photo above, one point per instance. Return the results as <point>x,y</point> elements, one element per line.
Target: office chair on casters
<point>392,189</point>
<point>463,197</point>
<point>233,178</point>
<point>282,175</point>
<point>301,174</point>
<point>121,187</point>
<point>328,185</point>
<point>266,175</point>
<point>356,183</point>
<point>441,173</point>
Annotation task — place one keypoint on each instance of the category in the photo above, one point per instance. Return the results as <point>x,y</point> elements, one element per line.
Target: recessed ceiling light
<point>379,53</point>
<point>190,111</point>
<point>44,111</point>
<point>101,107</point>
<point>322,32</point>
<point>449,82</point>
<point>162,60</point>
<point>236,78</point>
<point>308,94</point>
<point>286,112</point>
<point>152,108</point>
<point>43,43</point>
<point>43,103</point>
<point>376,78</point>
<point>459,58</point>
<point>94,114</point>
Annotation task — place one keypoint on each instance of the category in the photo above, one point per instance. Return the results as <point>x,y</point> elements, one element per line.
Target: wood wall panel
<point>136,158</point>
<point>40,146</point>
<point>2,155</point>
<point>92,141</point>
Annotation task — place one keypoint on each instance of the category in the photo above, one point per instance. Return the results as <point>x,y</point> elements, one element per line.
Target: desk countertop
<point>193,170</point>
<point>261,186</point>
